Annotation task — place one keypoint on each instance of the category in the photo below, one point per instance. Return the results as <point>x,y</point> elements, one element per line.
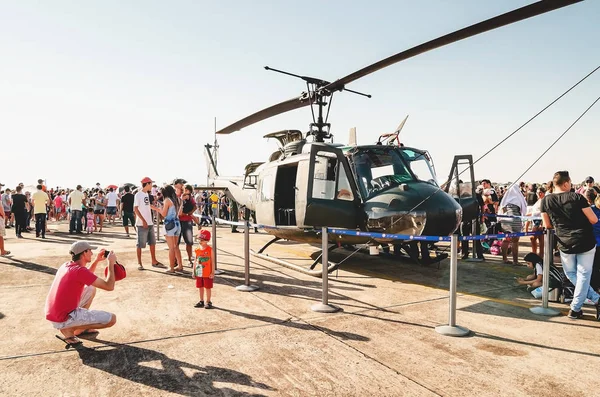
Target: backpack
<point>496,248</point>
<point>567,291</point>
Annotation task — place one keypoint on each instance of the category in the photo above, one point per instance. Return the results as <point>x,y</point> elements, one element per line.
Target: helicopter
<point>386,187</point>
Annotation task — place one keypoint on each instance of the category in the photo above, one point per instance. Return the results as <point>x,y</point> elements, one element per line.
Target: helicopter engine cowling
<point>414,208</point>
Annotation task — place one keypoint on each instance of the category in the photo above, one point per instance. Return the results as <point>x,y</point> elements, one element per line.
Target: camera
<point>106,253</point>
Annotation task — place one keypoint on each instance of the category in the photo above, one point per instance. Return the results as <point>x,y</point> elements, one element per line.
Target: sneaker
<point>200,304</point>
<point>209,305</point>
<point>573,315</point>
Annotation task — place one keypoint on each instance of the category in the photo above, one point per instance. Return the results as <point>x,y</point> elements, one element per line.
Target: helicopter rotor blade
<point>291,104</point>
<point>508,18</point>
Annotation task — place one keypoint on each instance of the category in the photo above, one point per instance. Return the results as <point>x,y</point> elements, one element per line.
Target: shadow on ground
<point>30,266</point>
<point>156,370</point>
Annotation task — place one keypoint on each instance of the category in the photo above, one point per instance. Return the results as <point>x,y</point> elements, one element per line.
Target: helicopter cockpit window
<point>420,165</point>
<point>324,176</point>
<point>380,169</point>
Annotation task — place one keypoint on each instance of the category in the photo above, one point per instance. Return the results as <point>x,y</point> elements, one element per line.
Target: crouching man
<point>72,292</point>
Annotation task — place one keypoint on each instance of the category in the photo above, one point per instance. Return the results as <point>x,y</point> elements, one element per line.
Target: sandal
<point>140,267</point>
<point>6,253</point>
<point>158,264</point>
<point>88,332</point>
<point>170,271</point>
<point>71,342</point>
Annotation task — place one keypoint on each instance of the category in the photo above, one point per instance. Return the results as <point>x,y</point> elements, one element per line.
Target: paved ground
<point>269,342</point>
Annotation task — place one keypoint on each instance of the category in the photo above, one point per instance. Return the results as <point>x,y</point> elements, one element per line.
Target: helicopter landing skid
<point>275,239</point>
<point>311,272</point>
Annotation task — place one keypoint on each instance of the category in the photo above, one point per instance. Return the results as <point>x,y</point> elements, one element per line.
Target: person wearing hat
<point>73,289</point>
<point>588,183</point>
<point>144,224</point>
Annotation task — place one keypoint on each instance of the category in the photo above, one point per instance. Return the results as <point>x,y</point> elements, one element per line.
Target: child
<point>204,269</point>
<point>90,220</point>
<point>535,280</point>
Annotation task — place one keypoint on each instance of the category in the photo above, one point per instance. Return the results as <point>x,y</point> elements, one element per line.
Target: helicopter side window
<point>266,187</point>
<point>324,176</point>
<point>344,191</point>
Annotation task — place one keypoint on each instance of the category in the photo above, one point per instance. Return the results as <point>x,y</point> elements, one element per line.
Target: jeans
<point>578,269</point>
<point>75,224</point>
<point>40,225</point>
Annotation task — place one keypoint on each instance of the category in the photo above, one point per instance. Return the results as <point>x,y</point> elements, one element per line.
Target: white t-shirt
<point>112,199</point>
<point>142,201</point>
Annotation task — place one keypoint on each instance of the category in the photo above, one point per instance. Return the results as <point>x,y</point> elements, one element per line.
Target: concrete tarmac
<point>269,342</point>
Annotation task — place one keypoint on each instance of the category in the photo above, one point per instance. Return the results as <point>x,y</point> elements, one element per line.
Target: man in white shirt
<point>144,223</point>
<point>113,204</point>
<point>75,201</point>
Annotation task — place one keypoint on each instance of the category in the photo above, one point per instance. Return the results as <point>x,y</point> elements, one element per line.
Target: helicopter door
<point>461,185</point>
<point>332,198</point>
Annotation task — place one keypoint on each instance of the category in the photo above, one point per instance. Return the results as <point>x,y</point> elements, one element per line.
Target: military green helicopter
<point>389,188</point>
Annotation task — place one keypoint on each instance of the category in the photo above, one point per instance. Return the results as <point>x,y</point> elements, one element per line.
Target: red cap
<point>120,272</point>
<point>204,235</point>
<point>147,179</point>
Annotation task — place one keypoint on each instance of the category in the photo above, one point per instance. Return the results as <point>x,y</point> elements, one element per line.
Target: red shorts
<point>204,282</point>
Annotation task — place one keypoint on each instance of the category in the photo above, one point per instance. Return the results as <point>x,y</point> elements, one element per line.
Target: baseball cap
<point>120,272</point>
<point>146,179</point>
<point>589,179</point>
<point>204,235</point>
<point>80,246</point>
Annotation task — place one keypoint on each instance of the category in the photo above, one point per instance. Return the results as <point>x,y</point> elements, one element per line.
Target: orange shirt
<point>203,261</point>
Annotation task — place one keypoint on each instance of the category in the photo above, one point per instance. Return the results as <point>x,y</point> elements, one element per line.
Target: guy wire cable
<point>500,143</point>
<point>556,141</point>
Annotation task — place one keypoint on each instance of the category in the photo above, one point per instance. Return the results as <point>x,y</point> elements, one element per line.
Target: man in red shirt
<point>72,292</point>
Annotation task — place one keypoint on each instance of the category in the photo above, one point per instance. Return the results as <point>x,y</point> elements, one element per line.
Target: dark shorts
<point>99,212</point>
<point>187,232</point>
<point>111,210</point>
<point>204,282</point>
<point>128,217</point>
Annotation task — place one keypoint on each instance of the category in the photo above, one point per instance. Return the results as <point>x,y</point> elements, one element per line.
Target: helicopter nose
<point>417,209</point>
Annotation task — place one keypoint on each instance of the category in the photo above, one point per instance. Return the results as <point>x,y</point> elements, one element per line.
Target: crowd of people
<point>572,211</point>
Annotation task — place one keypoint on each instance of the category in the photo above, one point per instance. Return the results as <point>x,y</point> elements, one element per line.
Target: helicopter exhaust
<point>315,273</point>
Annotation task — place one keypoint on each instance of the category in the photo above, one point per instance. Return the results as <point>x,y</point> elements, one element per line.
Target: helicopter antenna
<point>319,128</point>
<point>216,145</point>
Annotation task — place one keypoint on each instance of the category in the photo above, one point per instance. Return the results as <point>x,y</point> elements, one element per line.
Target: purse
<point>170,225</point>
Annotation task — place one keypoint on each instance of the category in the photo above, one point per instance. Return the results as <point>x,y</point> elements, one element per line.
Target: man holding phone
<point>72,292</point>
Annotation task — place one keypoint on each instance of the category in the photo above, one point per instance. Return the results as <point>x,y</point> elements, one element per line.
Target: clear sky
<point>111,91</point>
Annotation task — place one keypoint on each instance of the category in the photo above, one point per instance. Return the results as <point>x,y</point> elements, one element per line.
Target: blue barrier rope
<point>525,217</point>
<point>428,238</point>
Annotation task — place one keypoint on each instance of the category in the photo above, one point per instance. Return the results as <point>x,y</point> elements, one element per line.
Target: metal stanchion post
<point>544,310</point>
<point>324,306</point>
<point>214,242</point>
<point>247,287</point>
<point>452,329</point>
